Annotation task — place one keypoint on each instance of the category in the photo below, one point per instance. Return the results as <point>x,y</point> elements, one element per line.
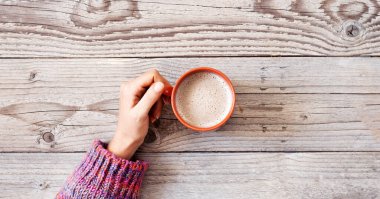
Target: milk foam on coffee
<point>203,99</point>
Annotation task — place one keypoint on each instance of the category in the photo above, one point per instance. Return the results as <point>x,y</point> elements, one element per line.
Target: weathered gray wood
<point>142,28</point>
<point>210,175</point>
<point>250,75</point>
<point>76,101</point>
<point>269,122</point>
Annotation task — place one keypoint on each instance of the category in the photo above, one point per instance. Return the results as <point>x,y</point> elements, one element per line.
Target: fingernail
<point>158,87</point>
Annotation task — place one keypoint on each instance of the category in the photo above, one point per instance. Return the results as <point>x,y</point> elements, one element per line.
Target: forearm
<point>101,174</point>
<point>106,171</point>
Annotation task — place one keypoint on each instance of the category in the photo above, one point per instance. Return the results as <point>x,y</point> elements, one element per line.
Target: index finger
<point>150,77</point>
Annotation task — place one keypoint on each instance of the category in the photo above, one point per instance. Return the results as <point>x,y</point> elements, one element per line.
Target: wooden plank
<point>210,175</point>
<point>267,122</point>
<point>47,78</point>
<point>190,28</point>
<point>76,101</point>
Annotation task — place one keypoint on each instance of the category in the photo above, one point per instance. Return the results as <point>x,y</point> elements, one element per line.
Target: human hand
<point>141,102</point>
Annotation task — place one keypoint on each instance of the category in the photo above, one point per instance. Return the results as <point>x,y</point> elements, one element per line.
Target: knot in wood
<point>93,13</point>
<point>352,30</point>
<point>32,75</point>
<point>48,137</point>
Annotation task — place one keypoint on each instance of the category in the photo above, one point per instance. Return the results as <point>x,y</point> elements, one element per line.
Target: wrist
<point>123,147</point>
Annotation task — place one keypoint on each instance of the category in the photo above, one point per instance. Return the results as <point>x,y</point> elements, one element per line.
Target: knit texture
<point>103,175</point>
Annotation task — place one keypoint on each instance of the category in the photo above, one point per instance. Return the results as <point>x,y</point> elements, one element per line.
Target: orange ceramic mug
<point>173,90</point>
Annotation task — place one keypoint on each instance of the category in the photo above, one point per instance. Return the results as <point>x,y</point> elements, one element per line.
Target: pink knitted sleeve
<point>103,175</point>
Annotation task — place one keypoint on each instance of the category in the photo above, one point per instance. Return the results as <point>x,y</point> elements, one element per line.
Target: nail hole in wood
<point>43,185</point>
<point>264,129</point>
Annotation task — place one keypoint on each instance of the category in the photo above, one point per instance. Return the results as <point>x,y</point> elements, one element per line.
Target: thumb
<point>150,97</point>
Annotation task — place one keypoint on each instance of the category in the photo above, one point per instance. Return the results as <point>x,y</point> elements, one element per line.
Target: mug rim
<point>203,69</point>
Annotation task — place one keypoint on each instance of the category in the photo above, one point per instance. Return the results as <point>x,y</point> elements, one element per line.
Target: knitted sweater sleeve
<point>103,175</point>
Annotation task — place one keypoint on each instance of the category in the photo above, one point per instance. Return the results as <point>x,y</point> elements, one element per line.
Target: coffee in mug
<point>203,99</point>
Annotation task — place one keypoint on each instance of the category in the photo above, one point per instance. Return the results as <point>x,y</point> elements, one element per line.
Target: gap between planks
<point>190,152</point>
<point>191,57</point>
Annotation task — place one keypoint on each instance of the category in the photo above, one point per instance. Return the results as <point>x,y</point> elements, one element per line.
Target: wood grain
<point>317,119</point>
<point>167,28</point>
<point>35,77</point>
<point>210,175</point>
<point>267,122</point>
<point>61,105</point>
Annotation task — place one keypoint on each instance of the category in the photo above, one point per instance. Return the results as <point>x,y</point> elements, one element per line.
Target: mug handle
<point>168,91</point>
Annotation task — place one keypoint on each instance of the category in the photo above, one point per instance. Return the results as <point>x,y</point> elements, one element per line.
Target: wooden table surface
<point>307,76</point>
